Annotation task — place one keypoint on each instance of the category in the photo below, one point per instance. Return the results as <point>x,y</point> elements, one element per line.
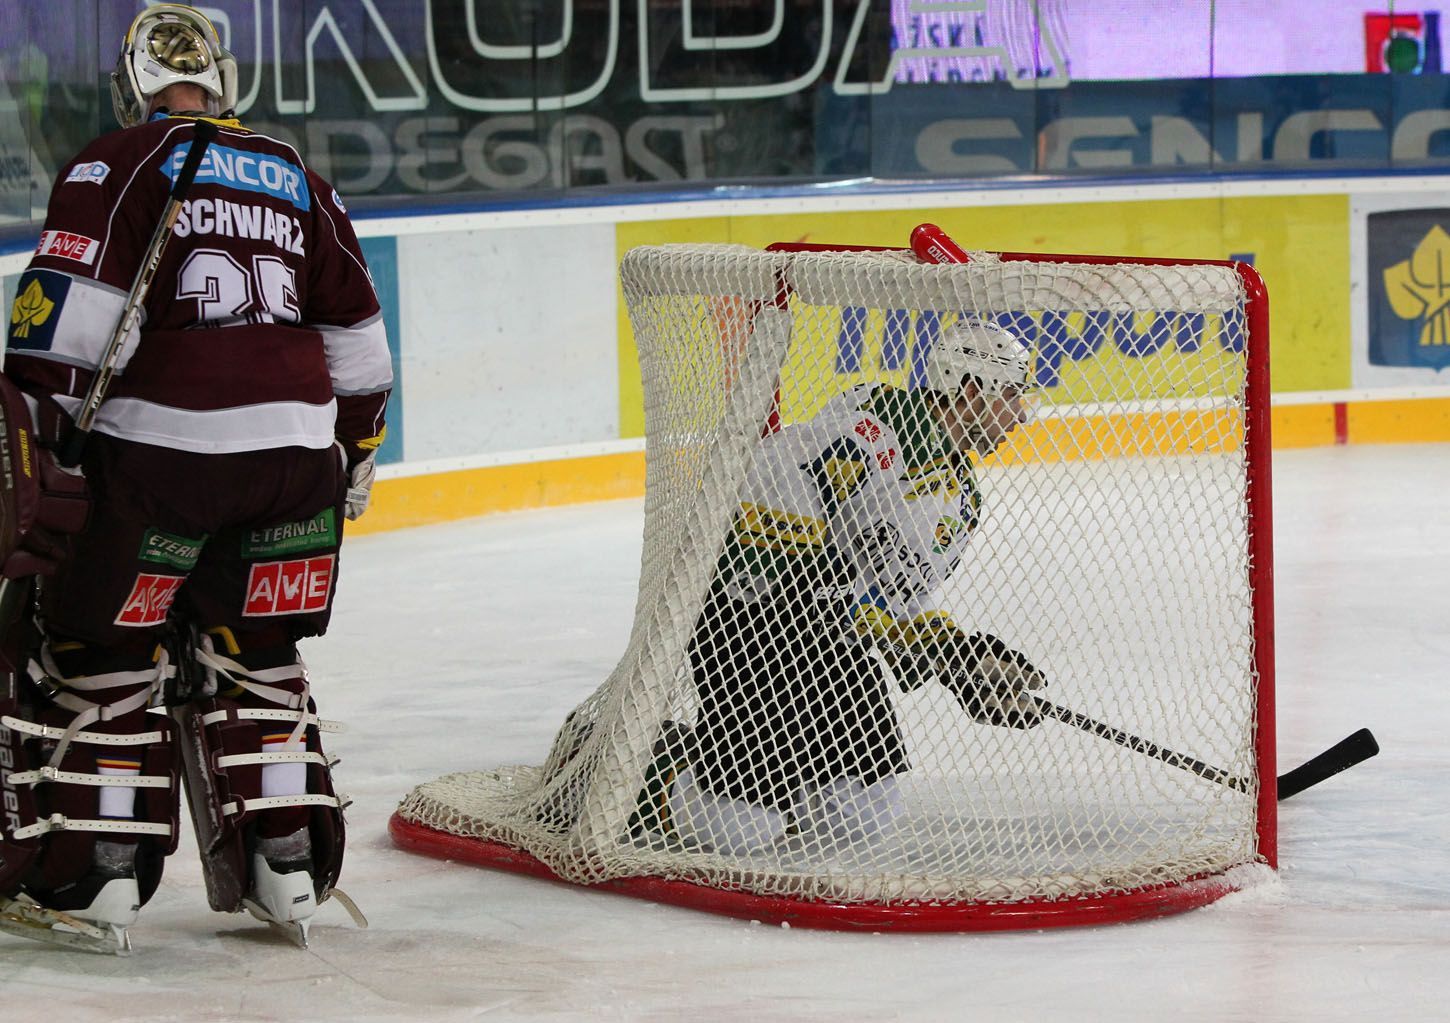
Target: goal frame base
<point>1138,904</point>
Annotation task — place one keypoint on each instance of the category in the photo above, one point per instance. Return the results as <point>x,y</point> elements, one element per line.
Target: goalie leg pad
<point>255,767</point>
<point>735,827</point>
<point>847,810</point>
<point>89,777</point>
<point>777,712</point>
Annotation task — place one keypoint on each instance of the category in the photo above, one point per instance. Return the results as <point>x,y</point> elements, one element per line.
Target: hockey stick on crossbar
<point>1344,754</point>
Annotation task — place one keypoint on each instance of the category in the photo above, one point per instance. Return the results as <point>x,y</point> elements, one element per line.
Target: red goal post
<point>1047,828</point>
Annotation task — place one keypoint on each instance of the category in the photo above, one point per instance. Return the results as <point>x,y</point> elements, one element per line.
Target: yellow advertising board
<point>1299,245</point>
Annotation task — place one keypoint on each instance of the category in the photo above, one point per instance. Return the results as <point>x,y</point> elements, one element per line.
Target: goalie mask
<point>171,44</point>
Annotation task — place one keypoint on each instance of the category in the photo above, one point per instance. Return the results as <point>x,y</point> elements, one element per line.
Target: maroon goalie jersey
<point>261,328</point>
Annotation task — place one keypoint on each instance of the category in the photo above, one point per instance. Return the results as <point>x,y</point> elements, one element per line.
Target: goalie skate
<point>102,927</point>
<point>283,895</point>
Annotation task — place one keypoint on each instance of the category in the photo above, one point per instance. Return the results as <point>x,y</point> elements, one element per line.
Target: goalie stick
<point>75,443</point>
<point>1344,754</point>
<point>931,244</point>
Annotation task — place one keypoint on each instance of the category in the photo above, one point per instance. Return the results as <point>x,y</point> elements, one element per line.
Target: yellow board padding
<point>444,497</point>
<point>1089,438</point>
<point>1302,426</point>
<point>1420,420</point>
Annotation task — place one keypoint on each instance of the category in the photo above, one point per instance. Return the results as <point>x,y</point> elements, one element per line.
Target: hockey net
<point>1121,544</point>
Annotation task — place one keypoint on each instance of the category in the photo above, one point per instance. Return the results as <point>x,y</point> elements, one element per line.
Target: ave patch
<point>150,600</point>
<point>318,533</point>
<point>289,587</point>
<point>64,245</point>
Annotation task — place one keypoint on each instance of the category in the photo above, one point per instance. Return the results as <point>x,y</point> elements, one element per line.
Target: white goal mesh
<point>762,735</point>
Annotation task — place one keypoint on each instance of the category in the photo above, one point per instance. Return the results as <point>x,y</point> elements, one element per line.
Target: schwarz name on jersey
<point>240,220</point>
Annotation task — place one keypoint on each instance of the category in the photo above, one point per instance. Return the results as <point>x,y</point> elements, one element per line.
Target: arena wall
<point>517,381</point>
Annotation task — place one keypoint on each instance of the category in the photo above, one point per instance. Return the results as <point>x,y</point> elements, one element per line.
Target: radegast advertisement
<point>421,97</point>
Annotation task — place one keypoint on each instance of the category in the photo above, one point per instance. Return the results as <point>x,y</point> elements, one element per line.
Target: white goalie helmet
<point>170,44</point>
<point>989,353</point>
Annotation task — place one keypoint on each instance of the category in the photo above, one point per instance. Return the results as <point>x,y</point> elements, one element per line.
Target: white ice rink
<point>462,647</point>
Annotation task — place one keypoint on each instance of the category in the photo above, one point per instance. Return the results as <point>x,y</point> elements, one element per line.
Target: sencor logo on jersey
<point>150,600</point>
<point>289,587</point>
<point>94,172</point>
<point>244,171</point>
<point>64,245</point>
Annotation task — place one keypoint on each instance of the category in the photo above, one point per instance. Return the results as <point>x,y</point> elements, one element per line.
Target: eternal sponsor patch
<point>337,201</point>
<point>64,245</point>
<point>94,172</point>
<point>289,587</point>
<point>171,550</point>
<point>318,533</point>
<point>150,600</point>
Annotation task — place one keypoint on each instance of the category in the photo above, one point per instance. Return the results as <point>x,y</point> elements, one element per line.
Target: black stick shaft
<point>1141,745</point>
<point>75,443</point>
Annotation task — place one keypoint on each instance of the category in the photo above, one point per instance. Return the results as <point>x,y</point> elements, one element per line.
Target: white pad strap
<point>60,822</point>
<point>237,759</point>
<point>260,714</point>
<point>133,781</point>
<point>93,683</point>
<point>88,713</point>
<point>92,738</point>
<point>273,802</point>
<point>252,681</point>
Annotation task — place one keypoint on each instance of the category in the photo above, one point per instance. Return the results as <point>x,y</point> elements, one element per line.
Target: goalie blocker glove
<point>993,683</point>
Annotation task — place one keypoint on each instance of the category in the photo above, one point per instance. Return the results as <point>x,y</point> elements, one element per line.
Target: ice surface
<point>461,647</point>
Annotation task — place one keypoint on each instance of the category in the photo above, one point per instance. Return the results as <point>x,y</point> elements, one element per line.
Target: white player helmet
<point>170,44</point>
<point>980,349</point>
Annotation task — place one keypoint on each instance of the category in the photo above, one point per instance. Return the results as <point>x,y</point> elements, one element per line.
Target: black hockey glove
<point>993,683</point>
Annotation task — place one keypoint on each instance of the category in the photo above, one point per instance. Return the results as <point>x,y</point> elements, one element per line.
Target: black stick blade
<point>1340,757</point>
